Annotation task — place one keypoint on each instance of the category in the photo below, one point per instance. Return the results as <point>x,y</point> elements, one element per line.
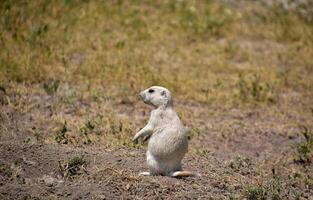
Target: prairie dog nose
<point>141,95</point>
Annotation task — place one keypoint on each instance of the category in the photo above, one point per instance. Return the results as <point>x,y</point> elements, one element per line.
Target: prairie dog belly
<point>168,144</point>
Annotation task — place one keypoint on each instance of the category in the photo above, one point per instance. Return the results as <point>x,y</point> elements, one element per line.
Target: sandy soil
<point>255,161</point>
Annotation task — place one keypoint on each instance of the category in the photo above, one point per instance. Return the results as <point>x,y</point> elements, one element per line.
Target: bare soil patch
<point>240,154</point>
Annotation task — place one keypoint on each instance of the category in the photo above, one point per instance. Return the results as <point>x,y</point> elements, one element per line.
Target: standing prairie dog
<point>168,143</point>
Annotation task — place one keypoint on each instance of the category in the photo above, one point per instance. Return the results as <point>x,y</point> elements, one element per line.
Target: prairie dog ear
<point>163,93</point>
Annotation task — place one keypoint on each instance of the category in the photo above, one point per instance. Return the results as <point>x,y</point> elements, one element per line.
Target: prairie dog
<point>168,143</point>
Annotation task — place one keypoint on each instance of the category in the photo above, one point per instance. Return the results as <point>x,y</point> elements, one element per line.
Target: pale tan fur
<point>168,143</point>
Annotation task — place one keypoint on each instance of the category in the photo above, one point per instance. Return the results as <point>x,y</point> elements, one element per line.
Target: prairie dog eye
<point>151,90</point>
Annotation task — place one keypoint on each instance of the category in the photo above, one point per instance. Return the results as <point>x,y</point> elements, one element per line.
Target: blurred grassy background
<point>222,54</point>
<point>208,51</point>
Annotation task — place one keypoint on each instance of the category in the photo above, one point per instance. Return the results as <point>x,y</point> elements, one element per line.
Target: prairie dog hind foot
<point>177,174</point>
<point>144,174</point>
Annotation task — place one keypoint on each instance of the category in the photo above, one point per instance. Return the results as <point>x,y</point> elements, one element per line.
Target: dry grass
<point>241,73</point>
<point>201,50</point>
<point>89,59</point>
<point>72,168</point>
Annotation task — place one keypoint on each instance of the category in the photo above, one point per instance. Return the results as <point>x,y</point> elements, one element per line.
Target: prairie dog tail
<point>179,174</point>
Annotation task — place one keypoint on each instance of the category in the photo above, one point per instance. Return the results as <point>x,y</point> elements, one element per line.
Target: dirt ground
<point>241,74</point>
<point>242,154</point>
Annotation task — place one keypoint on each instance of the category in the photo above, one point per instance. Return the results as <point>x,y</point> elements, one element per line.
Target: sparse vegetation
<point>72,168</point>
<point>6,172</point>
<point>51,87</point>
<point>241,73</point>
<point>52,49</point>
<point>305,149</point>
<point>241,164</point>
<point>271,189</point>
<point>10,172</point>
<point>60,134</point>
<point>253,89</point>
<point>256,193</point>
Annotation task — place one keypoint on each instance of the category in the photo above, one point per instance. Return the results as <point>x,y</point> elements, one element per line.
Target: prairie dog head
<point>156,96</point>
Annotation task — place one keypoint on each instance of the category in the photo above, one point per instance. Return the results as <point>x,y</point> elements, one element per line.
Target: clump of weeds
<point>256,193</point>
<point>192,132</point>
<point>305,149</point>
<point>252,88</point>
<point>61,134</point>
<point>241,164</point>
<point>270,190</point>
<point>85,130</point>
<point>5,172</point>
<point>72,168</point>
<point>51,87</point>
<point>10,173</point>
<point>91,129</point>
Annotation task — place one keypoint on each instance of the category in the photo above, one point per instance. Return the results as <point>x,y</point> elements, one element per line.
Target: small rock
<point>50,181</point>
<point>101,197</point>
